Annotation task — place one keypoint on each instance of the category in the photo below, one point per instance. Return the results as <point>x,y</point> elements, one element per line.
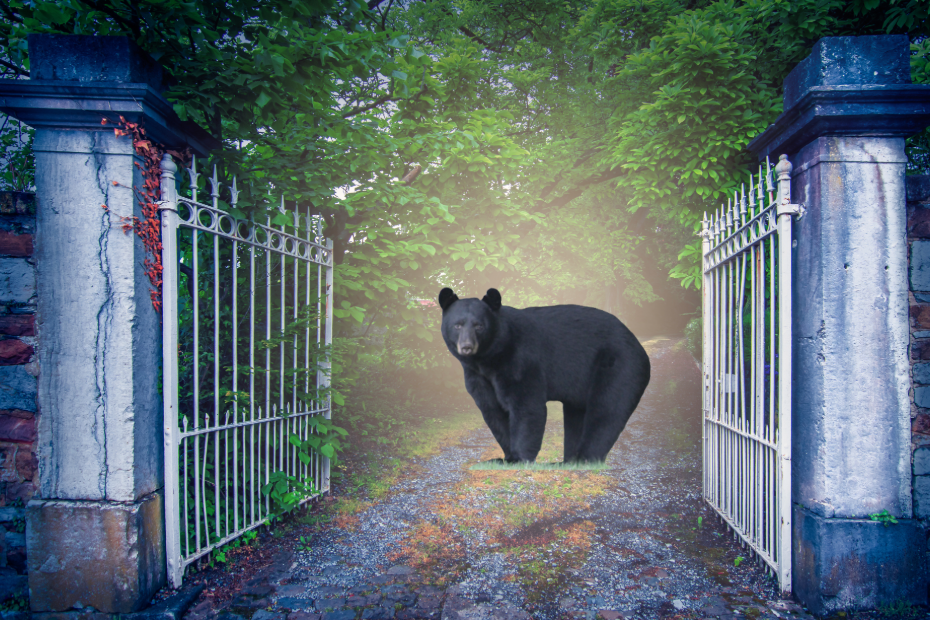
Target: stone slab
<point>17,280</point>
<point>851,451</point>
<point>918,187</point>
<point>922,462</point>
<point>922,396</point>
<point>921,497</point>
<point>17,203</point>
<point>104,555</point>
<point>17,388</point>
<point>846,564</point>
<point>100,435</point>
<point>921,373</point>
<point>919,268</point>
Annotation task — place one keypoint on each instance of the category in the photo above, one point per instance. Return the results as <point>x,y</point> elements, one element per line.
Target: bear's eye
<point>479,327</point>
<point>457,326</point>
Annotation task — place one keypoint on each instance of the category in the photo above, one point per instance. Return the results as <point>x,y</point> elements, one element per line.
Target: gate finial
<point>742,202</point>
<point>783,169</point>
<point>168,189</point>
<point>192,171</point>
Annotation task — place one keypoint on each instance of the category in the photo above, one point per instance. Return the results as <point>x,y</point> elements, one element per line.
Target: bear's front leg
<point>494,415</point>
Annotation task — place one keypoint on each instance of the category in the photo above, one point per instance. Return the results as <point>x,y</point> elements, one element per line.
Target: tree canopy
<point>562,152</point>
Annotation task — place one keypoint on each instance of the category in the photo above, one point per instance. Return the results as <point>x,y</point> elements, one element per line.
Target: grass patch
<point>556,466</point>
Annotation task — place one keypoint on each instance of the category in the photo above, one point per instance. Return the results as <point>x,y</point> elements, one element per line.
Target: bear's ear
<point>446,298</point>
<point>493,299</point>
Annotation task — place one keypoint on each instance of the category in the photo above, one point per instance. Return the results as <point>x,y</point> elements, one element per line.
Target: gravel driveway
<point>634,540</point>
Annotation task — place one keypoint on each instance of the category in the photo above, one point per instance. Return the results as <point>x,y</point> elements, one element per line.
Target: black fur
<point>517,360</point>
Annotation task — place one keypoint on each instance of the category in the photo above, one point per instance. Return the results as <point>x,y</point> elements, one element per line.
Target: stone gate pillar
<point>95,535</point>
<point>848,109</point>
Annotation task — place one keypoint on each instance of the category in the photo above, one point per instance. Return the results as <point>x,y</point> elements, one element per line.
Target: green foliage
<point>304,544</point>
<point>566,149</point>
<point>918,146</point>
<point>325,440</point>
<point>688,269</point>
<point>19,601</point>
<point>220,553</point>
<point>739,560</point>
<point>17,167</point>
<point>694,337</point>
<point>900,610</point>
<point>287,492</point>
<point>884,517</point>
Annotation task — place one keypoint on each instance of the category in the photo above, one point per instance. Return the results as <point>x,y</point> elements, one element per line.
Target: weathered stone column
<point>848,109</point>
<point>95,535</point>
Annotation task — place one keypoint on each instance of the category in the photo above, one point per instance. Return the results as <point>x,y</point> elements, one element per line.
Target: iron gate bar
<point>747,437</point>
<point>230,426</point>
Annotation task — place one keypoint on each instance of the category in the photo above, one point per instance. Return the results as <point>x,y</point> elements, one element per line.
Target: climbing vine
<point>148,227</point>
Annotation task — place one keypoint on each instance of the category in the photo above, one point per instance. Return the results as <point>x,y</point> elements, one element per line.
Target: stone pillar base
<point>104,555</point>
<point>841,564</point>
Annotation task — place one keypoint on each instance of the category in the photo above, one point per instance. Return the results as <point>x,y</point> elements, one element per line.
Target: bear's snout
<point>467,347</point>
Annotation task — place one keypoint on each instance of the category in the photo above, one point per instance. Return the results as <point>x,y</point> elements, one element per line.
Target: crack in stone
<point>104,320</point>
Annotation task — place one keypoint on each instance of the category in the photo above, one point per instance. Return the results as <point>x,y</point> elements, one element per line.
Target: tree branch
<point>119,19</point>
<point>558,178</point>
<point>577,190</point>
<point>364,108</point>
<point>10,15</point>
<point>14,68</point>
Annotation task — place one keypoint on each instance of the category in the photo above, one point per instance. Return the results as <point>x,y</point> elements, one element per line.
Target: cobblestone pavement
<point>634,540</point>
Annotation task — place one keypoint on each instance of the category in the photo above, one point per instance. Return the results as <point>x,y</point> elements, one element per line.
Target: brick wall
<point>918,236</point>
<point>18,374</point>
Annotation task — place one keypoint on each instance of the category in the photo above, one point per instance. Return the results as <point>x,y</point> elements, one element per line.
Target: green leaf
<point>263,99</point>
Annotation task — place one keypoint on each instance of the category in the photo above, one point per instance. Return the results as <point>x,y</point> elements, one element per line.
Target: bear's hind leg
<point>614,395</point>
<point>574,426</point>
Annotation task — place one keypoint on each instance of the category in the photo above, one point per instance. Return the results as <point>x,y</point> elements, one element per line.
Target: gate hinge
<point>791,209</point>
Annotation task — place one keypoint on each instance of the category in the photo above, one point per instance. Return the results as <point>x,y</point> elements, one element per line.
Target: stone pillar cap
<point>848,86</point>
<point>78,81</point>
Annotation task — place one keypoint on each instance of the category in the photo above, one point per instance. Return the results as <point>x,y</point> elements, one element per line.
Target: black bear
<point>517,360</point>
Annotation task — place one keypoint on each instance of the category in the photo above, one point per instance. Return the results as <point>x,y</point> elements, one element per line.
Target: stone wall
<point>918,236</point>
<point>18,372</point>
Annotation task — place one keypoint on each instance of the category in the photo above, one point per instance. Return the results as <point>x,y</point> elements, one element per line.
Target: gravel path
<point>634,540</point>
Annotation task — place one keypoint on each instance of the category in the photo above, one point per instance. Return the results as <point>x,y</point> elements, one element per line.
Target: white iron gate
<point>747,366</point>
<point>246,335</point>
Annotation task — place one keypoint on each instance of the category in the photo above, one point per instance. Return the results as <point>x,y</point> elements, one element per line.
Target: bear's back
<point>570,332</point>
<point>569,342</point>
<point>579,322</point>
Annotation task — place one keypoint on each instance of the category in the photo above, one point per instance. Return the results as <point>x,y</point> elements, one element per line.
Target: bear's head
<point>469,325</point>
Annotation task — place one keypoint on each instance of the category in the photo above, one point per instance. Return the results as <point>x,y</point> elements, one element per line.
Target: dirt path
<point>634,540</point>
